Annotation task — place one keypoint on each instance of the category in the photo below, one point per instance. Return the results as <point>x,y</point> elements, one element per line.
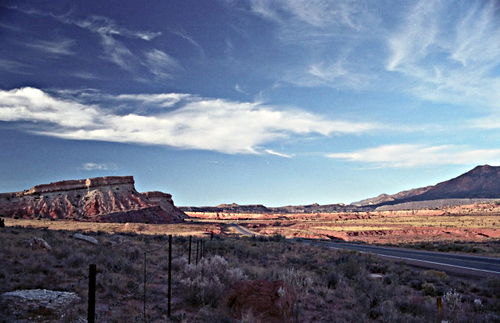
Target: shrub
<point>435,275</point>
<point>205,283</point>
<point>351,268</point>
<point>298,280</point>
<point>332,279</point>
<point>429,289</point>
<point>453,300</point>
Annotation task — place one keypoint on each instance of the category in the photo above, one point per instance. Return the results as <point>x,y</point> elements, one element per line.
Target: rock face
<point>165,201</point>
<point>37,305</point>
<point>101,199</point>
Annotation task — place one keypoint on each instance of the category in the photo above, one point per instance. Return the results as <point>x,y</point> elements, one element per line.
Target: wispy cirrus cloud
<point>197,123</point>
<point>116,51</point>
<point>317,13</point>
<point>328,33</point>
<point>451,58</point>
<point>184,35</point>
<point>415,155</point>
<point>13,66</point>
<point>161,64</point>
<point>54,47</point>
<point>106,26</point>
<point>336,74</point>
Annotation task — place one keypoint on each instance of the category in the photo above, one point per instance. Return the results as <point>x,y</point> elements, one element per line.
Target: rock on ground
<point>39,243</point>
<point>85,238</point>
<point>39,305</point>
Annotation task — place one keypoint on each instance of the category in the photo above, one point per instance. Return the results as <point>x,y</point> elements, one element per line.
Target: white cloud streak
<point>415,155</point>
<point>164,100</point>
<point>335,75</point>
<point>184,35</point>
<point>196,123</point>
<point>275,153</point>
<point>105,26</point>
<point>98,166</point>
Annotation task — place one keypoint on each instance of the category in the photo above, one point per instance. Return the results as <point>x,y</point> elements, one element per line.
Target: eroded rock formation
<point>100,199</point>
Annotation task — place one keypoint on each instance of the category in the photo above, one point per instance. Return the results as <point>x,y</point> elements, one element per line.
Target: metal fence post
<point>91,304</point>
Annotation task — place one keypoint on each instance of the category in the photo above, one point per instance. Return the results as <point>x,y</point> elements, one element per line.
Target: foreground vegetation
<point>329,285</point>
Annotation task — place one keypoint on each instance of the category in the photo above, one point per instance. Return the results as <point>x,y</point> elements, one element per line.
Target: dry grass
<point>333,285</point>
<point>178,229</point>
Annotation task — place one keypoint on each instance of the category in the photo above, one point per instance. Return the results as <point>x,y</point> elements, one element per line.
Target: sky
<point>281,102</point>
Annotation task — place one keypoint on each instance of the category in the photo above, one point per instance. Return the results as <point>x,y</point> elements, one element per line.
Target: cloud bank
<point>178,120</point>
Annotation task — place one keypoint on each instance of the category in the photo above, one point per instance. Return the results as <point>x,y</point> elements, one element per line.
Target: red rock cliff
<point>106,199</point>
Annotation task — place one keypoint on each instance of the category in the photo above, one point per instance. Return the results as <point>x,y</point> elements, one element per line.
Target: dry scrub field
<point>479,224</point>
<point>322,285</point>
<point>178,229</point>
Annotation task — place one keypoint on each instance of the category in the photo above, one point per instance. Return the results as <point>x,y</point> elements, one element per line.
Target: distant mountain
<point>480,182</point>
<point>261,209</point>
<point>228,208</point>
<point>384,198</point>
<point>100,199</point>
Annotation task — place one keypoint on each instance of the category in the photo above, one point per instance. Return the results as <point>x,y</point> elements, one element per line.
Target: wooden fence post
<point>197,250</point>
<point>439,305</point>
<point>169,313</point>
<point>144,289</point>
<point>91,296</point>
<point>189,250</point>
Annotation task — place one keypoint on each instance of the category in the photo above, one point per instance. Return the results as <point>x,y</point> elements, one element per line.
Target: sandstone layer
<point>100,199</point>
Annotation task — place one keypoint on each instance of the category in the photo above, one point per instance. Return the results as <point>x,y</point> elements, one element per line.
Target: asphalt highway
<point>242,230</point>
<point>457,263</point>
<point>449,262</point>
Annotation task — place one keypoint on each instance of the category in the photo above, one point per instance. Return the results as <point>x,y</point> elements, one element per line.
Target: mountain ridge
<point>481,182</point>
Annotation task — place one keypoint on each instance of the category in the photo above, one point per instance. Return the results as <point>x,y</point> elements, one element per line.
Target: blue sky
<point>252,101</point>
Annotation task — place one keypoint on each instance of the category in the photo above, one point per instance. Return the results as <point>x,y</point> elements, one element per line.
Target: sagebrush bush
<point>429,289</point>
<point>453,300</point>
<point>206,282</point>
<point>298,280</point>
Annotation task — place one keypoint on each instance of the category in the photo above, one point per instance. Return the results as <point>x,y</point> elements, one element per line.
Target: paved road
<point>453,263</point>
<point>457,263</point>
<point>242,230</point>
